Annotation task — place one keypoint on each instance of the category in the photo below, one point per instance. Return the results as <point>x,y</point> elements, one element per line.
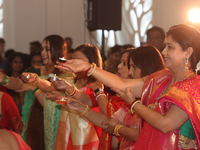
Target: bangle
<point>88,69</point>
<point>100,95</point>
<point>116,130</point>
<point>87,109</point>
<point>36,93</point>
<point>93,66</point>
<point>6,81</point>
<point>132,111</point>
<point>35,90</point>
<point>129,107</point>
<point>73,93</point>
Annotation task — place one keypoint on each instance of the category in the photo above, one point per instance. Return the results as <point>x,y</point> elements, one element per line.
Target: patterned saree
<point>74,131</point>
<point>184,94</point>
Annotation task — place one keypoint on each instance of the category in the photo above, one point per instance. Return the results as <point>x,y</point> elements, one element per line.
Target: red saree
<point>113,105</point>
<point>75,132</point>
<point>184,94</point>
<point>11,119</point>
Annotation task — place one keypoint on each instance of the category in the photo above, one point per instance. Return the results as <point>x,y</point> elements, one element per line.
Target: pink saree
<point>184,94</point>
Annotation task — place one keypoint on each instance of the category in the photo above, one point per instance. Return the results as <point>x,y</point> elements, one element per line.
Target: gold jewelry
<point>72,94</point>
<point>131,109</point>
<point>36,93</point>
<point>186,65</point>
<point>93,66</point>
<point>116,130</point>
<point>87,109</point>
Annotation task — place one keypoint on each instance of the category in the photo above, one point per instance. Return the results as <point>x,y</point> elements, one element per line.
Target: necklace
<point>153,105</point>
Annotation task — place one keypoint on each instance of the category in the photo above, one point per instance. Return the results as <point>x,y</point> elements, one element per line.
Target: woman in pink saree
<point>170,98</point>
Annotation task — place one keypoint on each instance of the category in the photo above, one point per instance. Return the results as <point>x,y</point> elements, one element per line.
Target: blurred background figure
<point>13,68</point>
<point>35,46</point>
<point>125,46</point>
<point>114,55</point>
<point>70,50</point>
<point>156,37</point>
<point>7,54</point>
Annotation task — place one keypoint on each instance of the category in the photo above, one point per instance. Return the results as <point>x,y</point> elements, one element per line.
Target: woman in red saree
<point>173,107</point>
<point>10,118</point>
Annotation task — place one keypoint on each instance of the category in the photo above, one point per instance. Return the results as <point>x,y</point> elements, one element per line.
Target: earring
<point>186,65</point>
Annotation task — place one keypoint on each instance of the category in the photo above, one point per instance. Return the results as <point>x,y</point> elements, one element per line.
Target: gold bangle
<point>131,109</point>
<point>93,66</point>
<point>87,109</point>
<point>116,130</point>
<point>74,91</point>
<point>36,93</point>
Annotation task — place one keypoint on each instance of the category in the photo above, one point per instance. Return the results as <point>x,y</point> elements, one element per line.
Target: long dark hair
<point>147,58</point>
<point>58,48</point>
<point>8,65</point>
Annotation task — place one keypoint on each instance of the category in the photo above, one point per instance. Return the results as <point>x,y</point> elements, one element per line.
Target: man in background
<point>156,37</point>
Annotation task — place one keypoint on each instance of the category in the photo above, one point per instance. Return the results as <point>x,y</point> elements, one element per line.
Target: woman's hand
<point>53,95</point>
<point>96,85</point>
<point>26,87</point>
<point>127,96</point>
<point>29,77</point>
<point>111,126</point>
<point>61,84</point>
<point>74,104</point>
<point>2,77</point>
<point>74,65</point>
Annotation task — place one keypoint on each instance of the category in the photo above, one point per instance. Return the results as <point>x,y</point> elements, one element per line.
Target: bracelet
<point>36,93</point>
<point>6,81</point>
<point>35,90</point>
<point>93,66</point>
<point>129,107</point>
<point>116,130</point>
<point>100,95</point>
<point>132,111</point>
<point>88,68</point>
<point>73,93</point>
<point>87,109</point>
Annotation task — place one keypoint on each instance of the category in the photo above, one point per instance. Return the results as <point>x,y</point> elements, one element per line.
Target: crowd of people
<point>140,98</point>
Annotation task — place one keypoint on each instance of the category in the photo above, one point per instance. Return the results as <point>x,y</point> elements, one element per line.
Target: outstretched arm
<point>174,118</point>
<point>12,82</point>
<point>107,78</point>
<point>42,84</point>
<point>91,115</point>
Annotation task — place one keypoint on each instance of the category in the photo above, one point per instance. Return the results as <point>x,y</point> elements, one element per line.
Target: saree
<point>10,118</point>
<point>114,103</point>
<point>123,116</point>
<point>29,98</point>
<point>74,131</point>
<point>183,94</point>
